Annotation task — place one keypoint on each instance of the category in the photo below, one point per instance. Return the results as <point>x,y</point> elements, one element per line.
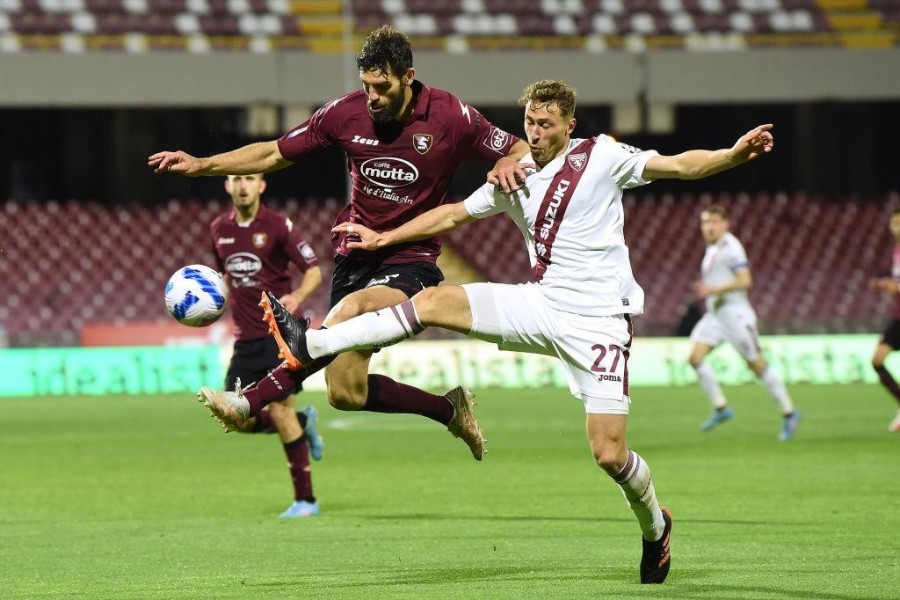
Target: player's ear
<point>571,126</point>
<point>228,184</point>
<point>409,75</point>
<point>262,185</point>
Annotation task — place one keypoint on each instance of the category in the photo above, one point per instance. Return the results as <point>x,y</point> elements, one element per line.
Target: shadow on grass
<point>605,583</point>
<point>537,518</point>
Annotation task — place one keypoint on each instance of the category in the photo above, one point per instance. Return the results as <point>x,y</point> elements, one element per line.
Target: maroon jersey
<point>255,257</point>
<point>895,273</point>
<point>398,170</point>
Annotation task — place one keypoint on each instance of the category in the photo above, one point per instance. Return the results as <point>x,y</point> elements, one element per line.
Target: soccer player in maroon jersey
<point>254,247</point>
<point>404,141</point>
<point>890,339</point>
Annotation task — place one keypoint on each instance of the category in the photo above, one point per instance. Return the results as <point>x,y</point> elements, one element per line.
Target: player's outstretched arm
<point>262,157</point>
<point>696,164</point>
<point>429,224</point>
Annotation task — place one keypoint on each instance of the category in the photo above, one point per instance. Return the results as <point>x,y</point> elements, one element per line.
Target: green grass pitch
<point>144,497</point>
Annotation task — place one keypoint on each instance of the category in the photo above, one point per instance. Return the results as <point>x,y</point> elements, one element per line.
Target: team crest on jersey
<point>422,142</point>
<point>577,160</point>
<point>259,239</point>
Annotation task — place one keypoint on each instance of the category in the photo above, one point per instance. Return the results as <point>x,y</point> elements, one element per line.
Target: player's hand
<point>359,237</point>
<point>755,142</point>
<point>290,303</point>
<point>175,162</point>
<point>508,173</point>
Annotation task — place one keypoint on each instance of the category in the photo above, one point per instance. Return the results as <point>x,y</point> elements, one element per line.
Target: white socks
<point>634,479</point>
<point>368,330</point>
<point>776,387</point>
<point>710,385</point>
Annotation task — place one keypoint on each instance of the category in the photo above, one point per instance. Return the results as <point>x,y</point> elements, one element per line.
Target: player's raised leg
<point>606,434</point>
<point>352,388</point>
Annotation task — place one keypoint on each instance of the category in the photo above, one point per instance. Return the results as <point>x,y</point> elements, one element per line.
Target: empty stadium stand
<point>318,25</point>
<point>64,264</point>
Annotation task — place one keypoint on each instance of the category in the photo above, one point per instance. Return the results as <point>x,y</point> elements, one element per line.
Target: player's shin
<point>710,385</point>
<point>370,330</point>
<point>776,388</point>
<point>637,486</point>
<point>274,386</point>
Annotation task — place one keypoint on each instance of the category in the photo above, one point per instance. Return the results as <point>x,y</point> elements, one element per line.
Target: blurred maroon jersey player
<point>255,247</point>
<point>890,339</point>
<point>403,141</point>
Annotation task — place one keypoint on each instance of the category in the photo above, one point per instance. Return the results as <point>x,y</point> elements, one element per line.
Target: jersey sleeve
<point>317,132</point>
<point>486,201</point>
<point>628,163</point>
<point>298,250</point>
<point>736,258</point>
<point>476,137</point>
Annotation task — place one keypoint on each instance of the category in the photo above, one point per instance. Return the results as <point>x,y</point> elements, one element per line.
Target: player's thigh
<point>445,306</point>
<point>741,332</point>
<point>512,316</point>
<point>707,331</point>
<point>363,301</point>
<point>595,352</point>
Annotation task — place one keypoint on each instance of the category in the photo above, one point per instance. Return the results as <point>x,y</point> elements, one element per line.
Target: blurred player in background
<point>730,318</point>
<point>890,339</point>
<point>580,305</point>
<point>403,141</point>
<point>254,247</point>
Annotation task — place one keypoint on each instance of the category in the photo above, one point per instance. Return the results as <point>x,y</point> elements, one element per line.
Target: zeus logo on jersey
<point>242,264</point>
<point>389,172</point>
<point>358,139</point>
<point>550,217</point>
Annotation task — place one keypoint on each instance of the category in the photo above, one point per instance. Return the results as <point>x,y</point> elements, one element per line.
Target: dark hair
<point>896,211</point>
<point>717,209</point>
<point>550,91</point>
<point>385,49</point>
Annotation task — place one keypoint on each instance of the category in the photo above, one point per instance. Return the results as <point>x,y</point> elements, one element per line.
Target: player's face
<point>895,227</point>
<point>245,190</point>
<point>547,131</point>
<point>713,226</point>
<point>387,94</point>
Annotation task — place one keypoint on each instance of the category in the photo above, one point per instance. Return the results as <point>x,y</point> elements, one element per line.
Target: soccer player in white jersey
<point>580,304</point>
<point>730,318</point>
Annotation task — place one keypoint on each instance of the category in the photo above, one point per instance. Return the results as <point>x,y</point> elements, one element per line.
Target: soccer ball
<point>195,295</point>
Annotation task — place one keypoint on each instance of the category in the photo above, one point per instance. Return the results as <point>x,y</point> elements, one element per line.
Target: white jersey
<point>580,238</point>
<point>722,260</point>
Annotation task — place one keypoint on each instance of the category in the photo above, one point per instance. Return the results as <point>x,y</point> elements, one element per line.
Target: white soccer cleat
<point>230,409</point>
<point>463,424</point>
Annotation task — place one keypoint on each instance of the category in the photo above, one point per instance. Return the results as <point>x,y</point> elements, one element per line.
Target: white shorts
<point>737,326</point>
<point>594,350</point>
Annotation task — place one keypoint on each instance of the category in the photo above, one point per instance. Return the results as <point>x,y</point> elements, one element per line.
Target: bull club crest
<point>422,142</point>
<point>577,160</point>
<point>259,239</point>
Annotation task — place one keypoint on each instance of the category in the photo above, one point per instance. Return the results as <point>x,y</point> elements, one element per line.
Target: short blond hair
<point>550,91</point>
